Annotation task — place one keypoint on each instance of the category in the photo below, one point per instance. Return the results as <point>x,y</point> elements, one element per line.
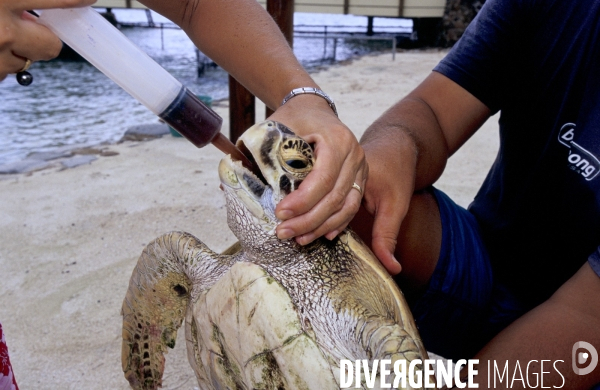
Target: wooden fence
<point>389,8</point>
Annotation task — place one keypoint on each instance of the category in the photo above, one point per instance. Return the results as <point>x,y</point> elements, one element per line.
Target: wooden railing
<point>389,8</point>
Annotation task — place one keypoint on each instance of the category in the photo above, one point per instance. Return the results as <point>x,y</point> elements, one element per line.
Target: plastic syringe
<point>105,47</point>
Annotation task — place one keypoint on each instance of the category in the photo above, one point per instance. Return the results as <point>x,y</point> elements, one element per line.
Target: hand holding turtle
<point>23,40</point>
<point>327,200</point>
<point>392,160</point>
<point>407,149</point>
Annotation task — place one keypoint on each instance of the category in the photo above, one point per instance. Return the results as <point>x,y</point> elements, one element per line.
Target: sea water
<point>72,103</point>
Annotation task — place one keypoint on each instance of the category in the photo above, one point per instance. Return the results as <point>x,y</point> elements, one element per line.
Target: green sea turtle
<point>268,313</point>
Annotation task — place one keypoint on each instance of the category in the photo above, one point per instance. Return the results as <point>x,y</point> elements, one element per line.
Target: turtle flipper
<point>383,339</point>
<point>171,271</point>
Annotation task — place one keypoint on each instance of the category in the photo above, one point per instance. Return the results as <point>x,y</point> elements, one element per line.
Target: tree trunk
<point>457,16</point>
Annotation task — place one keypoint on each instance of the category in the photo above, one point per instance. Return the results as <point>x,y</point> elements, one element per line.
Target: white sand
<point>70,239</point>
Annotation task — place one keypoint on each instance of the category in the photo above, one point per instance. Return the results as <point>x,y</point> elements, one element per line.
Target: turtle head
<point>282,160</point>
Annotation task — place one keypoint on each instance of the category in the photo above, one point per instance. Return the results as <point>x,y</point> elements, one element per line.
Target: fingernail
<point>305,239</point>
<point>397,262</point>
<point>285,214</point>
<point>284,234</point>
<point>331,235</point>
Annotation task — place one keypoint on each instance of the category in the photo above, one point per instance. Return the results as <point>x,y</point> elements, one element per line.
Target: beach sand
<point>69,239</point>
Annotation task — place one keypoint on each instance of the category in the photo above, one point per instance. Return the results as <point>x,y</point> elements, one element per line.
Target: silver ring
<point>26,66</point>
<point>358,188</point>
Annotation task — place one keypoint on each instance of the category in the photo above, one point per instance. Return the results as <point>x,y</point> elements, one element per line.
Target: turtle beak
<point>235,175</point>
<point>255,169</point>
<point>227,173</point>
<point>241,184</point>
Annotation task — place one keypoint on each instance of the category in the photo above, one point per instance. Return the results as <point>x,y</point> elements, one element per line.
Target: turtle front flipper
<point>171,272</point>
<point>383,339</point>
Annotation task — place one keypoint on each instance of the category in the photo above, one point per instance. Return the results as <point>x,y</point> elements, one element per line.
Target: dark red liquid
<point>192,118</point>
<point>199,124</point>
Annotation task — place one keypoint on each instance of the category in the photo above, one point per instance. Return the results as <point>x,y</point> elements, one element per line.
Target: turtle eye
<point>297,164</point>
<point>180,290</point>
<point>296,156</point>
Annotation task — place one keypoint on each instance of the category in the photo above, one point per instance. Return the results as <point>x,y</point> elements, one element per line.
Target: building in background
<point>426,14</point>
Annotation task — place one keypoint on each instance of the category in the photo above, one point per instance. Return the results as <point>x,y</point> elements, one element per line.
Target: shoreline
<point>119,110</point>
<point>72,156</point>
<point>69,239</point>
<point>69,156</point>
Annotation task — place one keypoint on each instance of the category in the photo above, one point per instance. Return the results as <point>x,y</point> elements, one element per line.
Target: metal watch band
<point>313,91</point>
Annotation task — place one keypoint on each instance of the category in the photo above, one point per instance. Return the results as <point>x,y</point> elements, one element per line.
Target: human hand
<point>388,192</point>
<point>325,202</point>
<point>22,38</point>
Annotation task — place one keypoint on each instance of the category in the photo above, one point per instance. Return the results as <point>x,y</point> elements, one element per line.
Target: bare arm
<point>242,38</point>
<point>407,149</point>
<point>548,333</point>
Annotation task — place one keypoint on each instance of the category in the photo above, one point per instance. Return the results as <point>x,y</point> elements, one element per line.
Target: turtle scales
<point>267,313</point>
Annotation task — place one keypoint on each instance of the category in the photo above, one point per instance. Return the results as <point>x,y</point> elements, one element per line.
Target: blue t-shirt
<point>538,63</point>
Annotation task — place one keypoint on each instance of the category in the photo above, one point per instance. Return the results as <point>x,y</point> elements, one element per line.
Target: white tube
<point>105,47</point>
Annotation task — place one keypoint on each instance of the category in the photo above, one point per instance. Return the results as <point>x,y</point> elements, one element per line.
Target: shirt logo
<point>580,160</point>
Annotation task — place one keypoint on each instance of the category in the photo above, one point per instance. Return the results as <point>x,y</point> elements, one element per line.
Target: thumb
<point>386,227</point>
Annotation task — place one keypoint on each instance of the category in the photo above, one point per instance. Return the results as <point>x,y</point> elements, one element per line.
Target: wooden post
<point>149,17</point>
<point>241,109</point>
<point>282,11</point>
<point>241,101</point>
<point>369,25</point>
